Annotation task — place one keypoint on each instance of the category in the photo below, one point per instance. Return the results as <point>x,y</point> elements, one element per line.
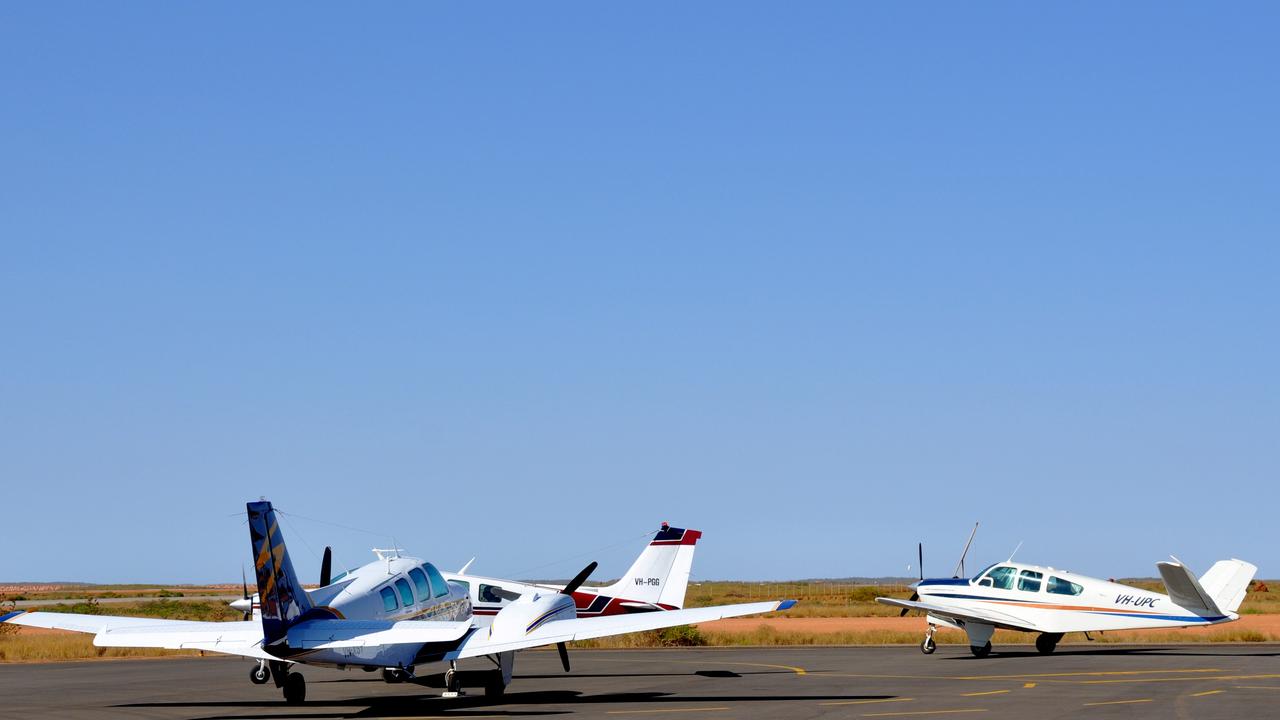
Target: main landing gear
<point>295,688</point>
<point>292,683</point>
<point>1047,642</point>
<point>928,646</point>
<point>981,650</point>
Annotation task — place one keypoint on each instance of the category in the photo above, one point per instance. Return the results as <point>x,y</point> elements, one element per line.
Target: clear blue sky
<point>523,280</point>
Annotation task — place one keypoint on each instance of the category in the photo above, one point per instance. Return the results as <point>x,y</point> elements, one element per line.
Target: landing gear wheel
<point>295,688</point>
<point>928,646</point>
<point>981,651</point>
<point>259,674</point>
<point>494,688</point>
<point>1047,642</point>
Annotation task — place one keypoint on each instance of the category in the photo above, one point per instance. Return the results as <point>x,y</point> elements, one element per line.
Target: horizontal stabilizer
<point>1185,591</point>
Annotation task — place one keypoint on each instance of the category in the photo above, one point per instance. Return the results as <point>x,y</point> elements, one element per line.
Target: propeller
<point>920,566</point>
<point>573,585</point>
<point>578,579</point>
<point>326,566</point>
<point>244,592</point>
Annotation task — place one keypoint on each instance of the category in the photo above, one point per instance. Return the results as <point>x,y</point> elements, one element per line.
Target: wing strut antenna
<point>959,571</point>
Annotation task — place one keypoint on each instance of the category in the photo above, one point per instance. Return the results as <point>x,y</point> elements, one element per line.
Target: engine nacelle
<point>530,612</point>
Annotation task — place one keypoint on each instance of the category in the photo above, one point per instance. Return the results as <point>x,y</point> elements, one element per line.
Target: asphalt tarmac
<point>1188,681</point>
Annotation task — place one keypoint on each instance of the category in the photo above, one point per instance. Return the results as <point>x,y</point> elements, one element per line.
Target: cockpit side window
<point>487,594</point>
<point>388,599</point>
<point>406,595</point>
<point>1029,581</point>
<point>1058,586</point>
<point>1002,577</point>
<point>420,583</point>
<point>438,584</point>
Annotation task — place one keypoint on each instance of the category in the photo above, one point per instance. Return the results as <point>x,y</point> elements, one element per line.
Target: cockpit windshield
<point>983,571</point>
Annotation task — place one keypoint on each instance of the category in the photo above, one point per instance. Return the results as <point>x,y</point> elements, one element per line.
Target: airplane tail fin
<point>1218,592</point>
<point>282,599</point>
<point>660,575</point>
<point>1227,581</point>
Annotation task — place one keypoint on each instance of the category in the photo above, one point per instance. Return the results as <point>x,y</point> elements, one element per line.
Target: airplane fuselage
<point>1047,600</point>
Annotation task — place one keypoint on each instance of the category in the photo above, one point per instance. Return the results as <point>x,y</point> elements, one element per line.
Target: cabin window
<point>1029,581</point>
<point>420,583</point>
<point>438,584</point>
<point>1058,586</point>
<point>406,595</point>
<point>488,594</point>
<point>388,600</point>
<point>1002,578</point>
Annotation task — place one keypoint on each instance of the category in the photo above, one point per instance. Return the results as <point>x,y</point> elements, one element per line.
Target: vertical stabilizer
<point>660,575</point>
<point>282,599</point>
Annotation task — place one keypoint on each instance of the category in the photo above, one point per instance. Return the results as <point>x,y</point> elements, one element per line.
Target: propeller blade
<point>564,655</point>
<point>246,615</point>
<point>920,566</point>
<point>914,597</point>
<point>326,566</point>
<point>580,578</point>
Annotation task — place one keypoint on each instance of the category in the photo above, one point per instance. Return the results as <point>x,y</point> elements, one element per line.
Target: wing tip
<point>9,616</point>
<point>785,605</point>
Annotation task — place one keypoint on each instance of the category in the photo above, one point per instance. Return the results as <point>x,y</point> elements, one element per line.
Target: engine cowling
<point>530,612</point>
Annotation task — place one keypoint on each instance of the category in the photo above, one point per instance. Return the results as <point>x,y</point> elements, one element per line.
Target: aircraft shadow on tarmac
<point>434,706</point>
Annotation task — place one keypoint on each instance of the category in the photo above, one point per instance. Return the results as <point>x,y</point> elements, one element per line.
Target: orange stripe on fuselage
<point>1078,608</point>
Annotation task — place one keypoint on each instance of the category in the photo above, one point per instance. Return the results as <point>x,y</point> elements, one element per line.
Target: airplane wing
<point>556,631</point>
<point>330,634</point>
<point>983,615</point>
<point>232,638</point>
<point>242,638</point>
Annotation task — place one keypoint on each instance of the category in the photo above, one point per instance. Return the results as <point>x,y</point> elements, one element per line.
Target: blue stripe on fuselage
<point>944,581</point>
<point>1171,618</point>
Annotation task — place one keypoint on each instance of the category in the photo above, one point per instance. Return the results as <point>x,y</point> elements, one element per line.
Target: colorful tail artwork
<point>283,600</point>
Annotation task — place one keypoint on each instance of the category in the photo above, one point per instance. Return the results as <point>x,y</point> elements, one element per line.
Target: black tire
<point>295,688</point>
<point>259,675</point>
<point>982,651</point>
<point>494,688</point>
<point>1046,643</point>
<point>928,646</point>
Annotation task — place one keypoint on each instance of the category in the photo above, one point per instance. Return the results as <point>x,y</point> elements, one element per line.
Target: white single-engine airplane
<point>394,614</point>
<point>1031,598</point>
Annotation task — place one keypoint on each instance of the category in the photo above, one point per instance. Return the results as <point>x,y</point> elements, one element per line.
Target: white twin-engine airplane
<point>1031,598</point>
<point>394,614</point>
<point>657,580</point>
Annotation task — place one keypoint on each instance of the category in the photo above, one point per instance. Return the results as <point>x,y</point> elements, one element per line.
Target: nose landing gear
<point>928,646</point>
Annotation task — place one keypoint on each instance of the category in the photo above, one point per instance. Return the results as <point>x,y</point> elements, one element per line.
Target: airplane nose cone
<point>243,605</point>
